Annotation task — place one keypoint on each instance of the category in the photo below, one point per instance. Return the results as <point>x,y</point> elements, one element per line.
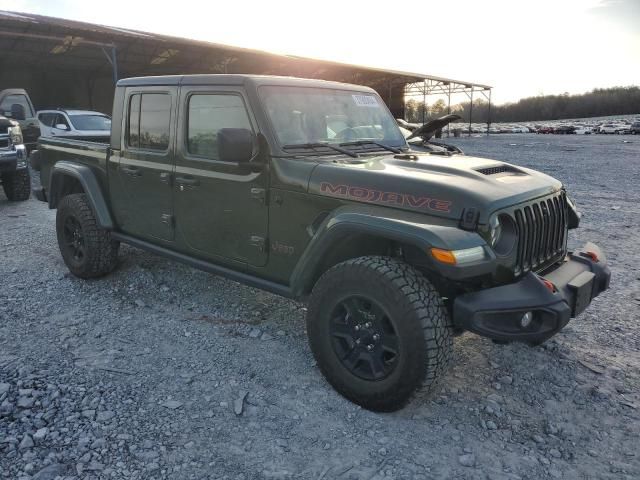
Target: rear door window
<point>149,121</point>
<point>208,113</point>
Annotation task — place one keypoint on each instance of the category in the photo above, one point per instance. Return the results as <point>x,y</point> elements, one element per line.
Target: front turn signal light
<point>443,256</point>
<point>458,257</point>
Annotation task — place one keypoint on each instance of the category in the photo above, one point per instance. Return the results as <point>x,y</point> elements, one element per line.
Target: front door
<point>220,207</point>
<point>143,196</point>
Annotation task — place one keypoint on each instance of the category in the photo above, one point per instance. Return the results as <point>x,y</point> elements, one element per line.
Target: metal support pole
<point>424,102</point>
<point>449,111</point>
<point>470,113</point>
<point>489,114</point>
<point>114,64</point>
<point>113,60</point>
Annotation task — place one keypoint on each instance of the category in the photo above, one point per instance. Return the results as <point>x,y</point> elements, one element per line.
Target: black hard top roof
<point>229,79</point>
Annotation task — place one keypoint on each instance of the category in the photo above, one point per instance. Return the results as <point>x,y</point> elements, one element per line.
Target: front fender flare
<point>90,185</point>
<point>402,227</point>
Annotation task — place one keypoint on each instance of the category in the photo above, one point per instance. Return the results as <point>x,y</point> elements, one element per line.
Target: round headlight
<point>496,231</point>
<point>504,235</point>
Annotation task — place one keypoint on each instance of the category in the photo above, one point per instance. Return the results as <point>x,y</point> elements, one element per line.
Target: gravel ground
<point>162,371</point>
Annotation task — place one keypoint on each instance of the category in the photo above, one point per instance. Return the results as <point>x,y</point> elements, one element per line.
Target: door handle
<point>187,181</point>
<point>165,177</point>
<point>132,171</point>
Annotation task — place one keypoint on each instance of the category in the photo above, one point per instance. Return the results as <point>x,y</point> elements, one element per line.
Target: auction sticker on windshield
<point>365,100</point>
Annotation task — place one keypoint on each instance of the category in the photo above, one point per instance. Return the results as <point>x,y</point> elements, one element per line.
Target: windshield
<point>90,122</point>
<point>302,115</point>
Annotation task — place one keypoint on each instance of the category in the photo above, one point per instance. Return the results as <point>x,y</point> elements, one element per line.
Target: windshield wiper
<point>371,142</point>
<point>321,145</point>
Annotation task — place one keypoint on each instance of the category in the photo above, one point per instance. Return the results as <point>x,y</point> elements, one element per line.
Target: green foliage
<point>439,108</point>
<point>418,112</point>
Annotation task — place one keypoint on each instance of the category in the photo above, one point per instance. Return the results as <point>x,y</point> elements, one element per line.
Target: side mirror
<point>17,112</point>
<point>61,126</point>
<point>236,145</point>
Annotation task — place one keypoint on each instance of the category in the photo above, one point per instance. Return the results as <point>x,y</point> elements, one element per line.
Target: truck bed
<point>52,150</point>
<point>53,143</point>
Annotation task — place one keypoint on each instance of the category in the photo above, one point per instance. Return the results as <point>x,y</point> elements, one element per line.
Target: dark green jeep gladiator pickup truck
<point>307,189</point>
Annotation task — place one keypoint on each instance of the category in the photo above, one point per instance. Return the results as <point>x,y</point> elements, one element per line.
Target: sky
<point>521,48</point>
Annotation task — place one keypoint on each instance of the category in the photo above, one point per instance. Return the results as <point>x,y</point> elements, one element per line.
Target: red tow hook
<point>592,255</point>
<point>550,286</point>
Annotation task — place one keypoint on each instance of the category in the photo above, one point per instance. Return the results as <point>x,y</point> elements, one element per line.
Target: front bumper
<point>497,312</point>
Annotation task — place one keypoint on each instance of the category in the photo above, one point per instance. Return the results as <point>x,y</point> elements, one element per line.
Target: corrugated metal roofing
<point>38,38</point>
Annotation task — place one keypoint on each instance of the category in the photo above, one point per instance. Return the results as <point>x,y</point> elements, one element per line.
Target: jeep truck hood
<point>437,185</point>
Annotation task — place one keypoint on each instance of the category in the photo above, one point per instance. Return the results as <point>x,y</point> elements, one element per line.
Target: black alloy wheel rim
<point>73,239</point>
<point>364,338</point>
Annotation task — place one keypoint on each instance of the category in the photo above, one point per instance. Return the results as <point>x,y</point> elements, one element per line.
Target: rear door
<point>220,207</point>
<point>142,194</point>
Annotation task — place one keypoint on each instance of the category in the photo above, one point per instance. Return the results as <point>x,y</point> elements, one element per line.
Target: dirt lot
<point>161,371</point>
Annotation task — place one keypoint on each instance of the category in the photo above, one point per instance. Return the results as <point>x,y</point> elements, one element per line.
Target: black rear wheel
<point>379,331</point>
<point>74,242</point>
<point>87,250</point>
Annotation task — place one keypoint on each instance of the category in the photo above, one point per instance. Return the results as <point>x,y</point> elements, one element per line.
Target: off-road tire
<point>17,185</point>
<point>424,329</point>
<point>100,250</point>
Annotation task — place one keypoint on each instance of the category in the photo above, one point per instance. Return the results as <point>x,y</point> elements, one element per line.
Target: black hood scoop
<point>497,170</point>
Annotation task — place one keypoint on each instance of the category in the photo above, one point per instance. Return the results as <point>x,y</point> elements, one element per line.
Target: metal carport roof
<point>96,52</point>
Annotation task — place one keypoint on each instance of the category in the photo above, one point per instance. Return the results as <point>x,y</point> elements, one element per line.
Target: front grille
<point>542,232</point>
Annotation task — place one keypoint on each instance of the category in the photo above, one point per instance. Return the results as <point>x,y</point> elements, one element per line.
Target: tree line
<point>596,103</point>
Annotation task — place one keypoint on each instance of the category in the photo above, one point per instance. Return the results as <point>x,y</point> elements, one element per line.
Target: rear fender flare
<point>63,170</point>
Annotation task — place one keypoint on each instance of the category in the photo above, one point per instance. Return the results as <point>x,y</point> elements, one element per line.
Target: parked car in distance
<point>75,123</point>
<point>623,129</point>
<point>16,105</point>
<point>564,129</point>
<point>582,130</point>
<point>635,128</point>
<point>609,128</point>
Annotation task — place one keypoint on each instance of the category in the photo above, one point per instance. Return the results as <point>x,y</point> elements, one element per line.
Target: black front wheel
<point>364,337</point>
<point>17,185</point>
<point>379,331</point>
